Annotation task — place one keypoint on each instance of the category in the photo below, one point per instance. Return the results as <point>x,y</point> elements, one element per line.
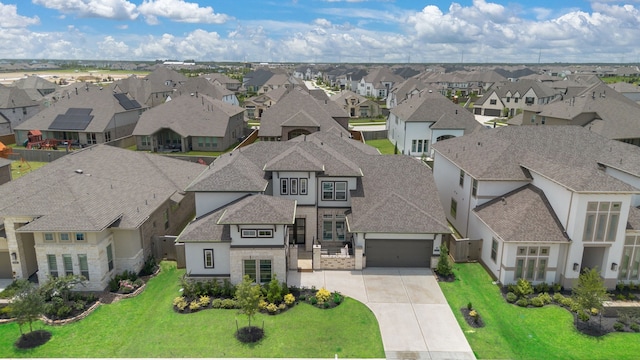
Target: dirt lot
<point>70,76</point>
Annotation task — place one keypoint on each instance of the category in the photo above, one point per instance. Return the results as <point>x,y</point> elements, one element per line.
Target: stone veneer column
<point>358,257</point>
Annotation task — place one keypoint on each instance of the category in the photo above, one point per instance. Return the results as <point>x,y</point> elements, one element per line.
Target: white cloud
<point>9,18</point>
<point>109,9</point>
<point>180,11</point>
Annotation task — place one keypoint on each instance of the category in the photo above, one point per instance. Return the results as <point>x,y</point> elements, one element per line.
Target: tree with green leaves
<point>28,304</point>
<point>590,291</point>
<point>248,297</point>
<point>444,267</point>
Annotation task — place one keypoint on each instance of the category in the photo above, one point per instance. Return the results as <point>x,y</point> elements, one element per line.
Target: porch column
<point>316,257</point>
<point>358,257</point>
<point>293,257</point>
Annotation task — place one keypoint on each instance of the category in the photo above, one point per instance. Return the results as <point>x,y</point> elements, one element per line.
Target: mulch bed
<point>249,334</point>
<point>450,278</point>
<point>475,323</point>
<point>33,339</point>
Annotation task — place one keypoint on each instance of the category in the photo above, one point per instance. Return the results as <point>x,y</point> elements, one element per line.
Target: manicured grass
<point>19,168</point>
<point>146,326</point>
<point>367,121</point>
<point>383,145</point>
<point>512,332</point>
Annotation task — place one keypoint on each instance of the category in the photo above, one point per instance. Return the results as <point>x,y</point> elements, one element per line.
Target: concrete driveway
<point>414,317</point>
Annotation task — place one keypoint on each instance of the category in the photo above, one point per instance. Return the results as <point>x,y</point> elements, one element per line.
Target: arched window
<point>298,132</point>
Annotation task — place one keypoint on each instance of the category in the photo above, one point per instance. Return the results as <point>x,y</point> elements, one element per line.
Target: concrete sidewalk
<point>414,317</point>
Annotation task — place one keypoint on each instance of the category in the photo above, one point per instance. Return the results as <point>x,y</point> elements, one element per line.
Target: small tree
<point>248,297</point>
<point>274,291</point>
<point>590,291</point>
<point>444,267</point>
<point>28,304</point>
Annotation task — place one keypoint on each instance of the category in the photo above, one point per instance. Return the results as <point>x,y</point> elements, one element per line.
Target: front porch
<point>332,256</point>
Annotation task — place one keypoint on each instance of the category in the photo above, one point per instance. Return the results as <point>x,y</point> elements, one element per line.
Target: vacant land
<point>513,332</point>
<point>147,327</point>
<point>70,75</point>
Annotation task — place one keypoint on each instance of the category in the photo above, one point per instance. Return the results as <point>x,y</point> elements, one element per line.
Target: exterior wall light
<point>576,266</point>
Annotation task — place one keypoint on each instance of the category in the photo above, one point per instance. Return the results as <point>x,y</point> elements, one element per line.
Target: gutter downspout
<point>501,259</point>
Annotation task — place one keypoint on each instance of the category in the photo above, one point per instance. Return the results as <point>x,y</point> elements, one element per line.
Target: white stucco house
<point>546,201</point>
<point>424,119</point>
<point>262,207</point>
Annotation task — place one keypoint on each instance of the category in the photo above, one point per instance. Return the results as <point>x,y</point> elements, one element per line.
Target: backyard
<point>513,332</point>
<point>383,145</point>
<point>147,326</point>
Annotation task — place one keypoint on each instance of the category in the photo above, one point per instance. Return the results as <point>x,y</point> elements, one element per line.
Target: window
<point>284,190</point>
<point>303,186</point>
<point>265,271</point>
<point>258,269</point>
<point>107,136</point>
<point>80,237</point>
<point>84,265</point>
<point>508,99</point>
<point>327,230</point>
<point>454,208</point>
<point>494,250</point>
<point>474,187</point>
<point>68,264</point>
<point>145,140</point>
<point>419,146</point>
<point>493,102</point>
<point>461,180</point>
<point>529,100</point>
<point>53,265</point>
<point>265,233</point>
<point>531,263</point>
<point>48,237</point>
<point>601,223</point>
<point>208,258</point>
<point>340,226</point>
<point>64,237</point>
<point>249,268</point>
<point>110,257</point>
<point>630,262</point>
<point>165,216</point>
<point>544,120</point>
<point>515,100</point>
<point>334,190</point>
<point>91,138</point>
<point>249,233</point>
<point>294,186</point>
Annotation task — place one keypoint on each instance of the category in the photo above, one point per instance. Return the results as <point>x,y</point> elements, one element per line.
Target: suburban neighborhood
<point>394,186</point>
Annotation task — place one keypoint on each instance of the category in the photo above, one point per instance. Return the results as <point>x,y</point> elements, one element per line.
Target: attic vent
<point>79,171</point>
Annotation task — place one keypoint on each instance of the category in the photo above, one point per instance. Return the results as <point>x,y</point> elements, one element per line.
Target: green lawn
<point>376,120</point>
<point>383,145</point>
<point>146,326</point>
<point>512,332</point>
<point>19,168</point>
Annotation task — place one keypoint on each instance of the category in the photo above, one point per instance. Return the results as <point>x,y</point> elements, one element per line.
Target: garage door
<point>5,265</point>
<point>398,253</point>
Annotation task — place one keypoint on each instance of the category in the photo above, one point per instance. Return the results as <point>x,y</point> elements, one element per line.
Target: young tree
<point>590,291</point>
<point>248,296</point>
<point>444,267</point>
<point>28,304</point>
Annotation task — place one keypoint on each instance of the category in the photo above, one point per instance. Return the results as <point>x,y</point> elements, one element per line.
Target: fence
<point>37,155</point>
<point>8,139</point>
<point>374,135</point>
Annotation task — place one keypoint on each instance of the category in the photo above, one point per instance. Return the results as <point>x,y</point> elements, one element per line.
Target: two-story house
<point>377,83</point>
<point>426,118</point>
<point>15,108</point>
<point>259,207</point>
<point>507,98</point>
<point>546,201</point>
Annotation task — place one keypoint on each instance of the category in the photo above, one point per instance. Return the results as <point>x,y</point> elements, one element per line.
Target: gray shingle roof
<point>115,184</point>
<point>260,210</point>
<point>188,116</point>
<point>523,215</point>
<point>230,173</point>
<point>558,152</point>
<point>207,229</point>
<point>202,86</point>
<point>13,97</point>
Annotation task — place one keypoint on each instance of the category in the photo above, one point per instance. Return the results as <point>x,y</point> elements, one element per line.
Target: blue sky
<point>322,30</point>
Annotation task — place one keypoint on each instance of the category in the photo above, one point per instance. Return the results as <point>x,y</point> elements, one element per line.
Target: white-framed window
<point>334,227</point>
<point>145,140</point>
<point>454,208</point>
<point>84,265</point>
<point>461,180</point>
<point>419,145</point>
<point>494,250</point>
<point>265,233</point>
<point>259,270</point>
<point>64,237</point>
<point>49,237</point>
<point>630,262</point>
<point>91,138</point>
<point>249,233</point>
<point>53,265</point>
<point>294,186</point>
<point>284,186</point>
<point>208,258</point>
<point>165,218</point>
<point>334,190</point>
<point>531,263</point>
<point>601,223</point>
<point>68,264</point>
<point>474,187</point>
<point>529,100</point>
<point>110,257</point>
<point>303,186</point>
<point>493,102</point>
<point>80,236</point>
<point>107,136</point>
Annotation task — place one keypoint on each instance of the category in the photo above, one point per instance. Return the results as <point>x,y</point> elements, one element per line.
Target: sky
<point>323,31</point>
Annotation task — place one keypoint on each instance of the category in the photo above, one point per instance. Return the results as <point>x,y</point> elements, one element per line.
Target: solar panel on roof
<point>71,122</point>
<point>126,103</point>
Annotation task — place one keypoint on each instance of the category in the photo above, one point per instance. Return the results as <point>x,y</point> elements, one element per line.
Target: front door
<point>297,231</point>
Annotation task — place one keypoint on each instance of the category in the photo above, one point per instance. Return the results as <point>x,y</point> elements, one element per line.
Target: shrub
<point>323,295</point>
<point>216,303</point>
<point>229,304</point>
<point>523,288</point>
<point>469,305</point>
<point>635,327</point>
<point>149,266</point>
<point>523,302</point>
<point>313,300</point>
<point>444,267</point>
<point>537,302</point>
<point>215,289</point>
<point>545,297</point>
<point>542,288</point>
<point>5,310</point>
<point>126,286</point>
<point>557,297</point>
<point>284,289</point>
<point>194,305</point>
<point>621,297</point>
<point>583,316</point>
<point>289,299</point>
<point>556,287</point>
<point>511,288</point>
<point>574,306</point>
<point>63,311</point>
<point>180,303</point>
<point>228,290</point>
<point>337,298</point>
<point>282,306</point>
<point>326,305</point>
<point>204,301</point>
<point>262,305</point>
<point>594,311</point>
<point>79,305</point>
<point>511,297</point>
<point>620,286</point>
<point>272,308</point>
<point>474,315</point>
<point>618,326</point>
<point>274,291</point>
<point>631,297</point>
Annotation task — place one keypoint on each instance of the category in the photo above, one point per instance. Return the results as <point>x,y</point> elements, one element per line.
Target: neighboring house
<point>153,89</point>
<point>404,90</point>
<point>256,105</point>
<point>15,108</point>
<point>190,122</point>
<point>36,87</point>
<point>505,99</point>
<point>598,108</point>
<point>356,105</point>
<point>259,207</point>
<point>378,82</point>
<point>546,202</point>
<point>200,85</point>
<point>253,82</point>
<point>278,81</point>
<point>95,212</point>
<point>299,113</point>
<point>631,91</point>
<point>222,79</point>
<point>84,113</point>
<point>424,119</point>
<point>5,168</point>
